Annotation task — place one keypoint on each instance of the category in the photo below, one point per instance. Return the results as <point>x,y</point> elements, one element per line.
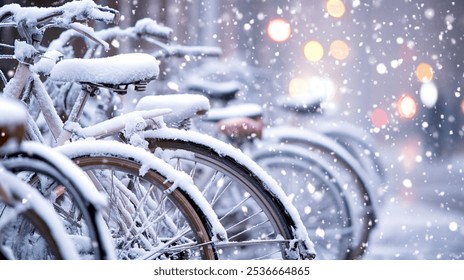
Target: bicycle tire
<point>278,232</point>
<point>364,200</point>
<point>360,145</point>
<point>79,205</point>
<point>316,192</point>
<point>28,222</point>
<point>198,230</point>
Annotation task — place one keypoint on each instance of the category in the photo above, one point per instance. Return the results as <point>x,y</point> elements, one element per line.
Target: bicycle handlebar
<point>142,28</point>
<point>150,31</point>
<point>84,10</point>
<point>183,51</point>
<point>149,27</point>
<point>32,21</point>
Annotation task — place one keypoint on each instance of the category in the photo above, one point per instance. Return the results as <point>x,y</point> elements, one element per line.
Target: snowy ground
<point>423,214</point>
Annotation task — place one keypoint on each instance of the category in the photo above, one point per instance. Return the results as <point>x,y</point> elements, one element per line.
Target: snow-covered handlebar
<point>31,22</point>
<point>63,15</point>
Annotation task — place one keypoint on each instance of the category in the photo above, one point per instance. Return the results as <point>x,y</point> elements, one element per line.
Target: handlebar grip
<point>192,51</point>
<point>106,14</point>
<point>7,11</point>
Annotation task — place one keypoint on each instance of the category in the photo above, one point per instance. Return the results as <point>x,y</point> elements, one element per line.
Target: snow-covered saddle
<point>115,72</point>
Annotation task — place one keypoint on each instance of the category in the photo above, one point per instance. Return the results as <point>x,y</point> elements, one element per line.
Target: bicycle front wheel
<point>154,211</point>
<point>30,229</point>
<point>70,192</point>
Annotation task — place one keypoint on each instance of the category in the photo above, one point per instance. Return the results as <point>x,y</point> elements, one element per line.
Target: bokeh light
<point>312,88</point>
<point>428,94</point>
<point>339,50</point>
<point>406,106</point>
<point>297,87</point>
<point>335,8</point>
<point>279,30</point>
<point>424,72</point>
<point>379,117</point>
<point>313,51</point>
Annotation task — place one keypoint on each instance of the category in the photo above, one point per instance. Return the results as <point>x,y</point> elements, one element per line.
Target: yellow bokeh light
<point>313,51</point>
<point>335,8</point>
<point>297,87</point>
<point>339,50</point>
<point>279,30</point>
<point>424,72</point>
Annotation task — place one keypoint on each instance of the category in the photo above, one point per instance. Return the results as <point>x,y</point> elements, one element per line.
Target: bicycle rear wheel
<point>154,211</point>
<point>260,222</point>
<point>29,226</point>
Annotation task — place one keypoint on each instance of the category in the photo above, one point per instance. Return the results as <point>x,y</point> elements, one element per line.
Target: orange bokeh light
<point>279,30</point>
<point>424,72</point>
<point>339,50</point>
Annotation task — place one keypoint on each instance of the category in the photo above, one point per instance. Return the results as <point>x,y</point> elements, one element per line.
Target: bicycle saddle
<point>224,91</point>
<point>183,106</point>
<point>301,104</point>
<point>115,72</point>
<point>241,127</point>
<point>246,110</point>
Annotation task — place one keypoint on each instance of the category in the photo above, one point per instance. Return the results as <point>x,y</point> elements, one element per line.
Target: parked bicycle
<point>192,103</point>
<point>67,191</point>
<point>150,102</point>
<point>243,125</point>
<point>155,211</point>
<point>259,216</point>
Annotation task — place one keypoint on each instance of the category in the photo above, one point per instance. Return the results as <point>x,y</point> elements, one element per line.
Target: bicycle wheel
<point>260,221</point>
<point>360,145</point>
<point>358,183</point>
<point>29,226</point>
<point>70,192</point>
<point>154,211</point>
<point>316,193</point>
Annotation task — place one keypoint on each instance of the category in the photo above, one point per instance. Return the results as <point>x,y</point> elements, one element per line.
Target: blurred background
<point>393,67</point>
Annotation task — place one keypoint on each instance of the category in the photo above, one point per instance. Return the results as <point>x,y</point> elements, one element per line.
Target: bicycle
<point>243,124</point>
<point>275,214</point>
<point>26,218</point>
<point>352,138</point>
<point>52,173</point>
<point>166,216</point>
<point>150,102</point>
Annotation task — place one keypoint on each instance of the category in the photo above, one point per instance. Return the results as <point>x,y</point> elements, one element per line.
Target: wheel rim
<point>175,247</point>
